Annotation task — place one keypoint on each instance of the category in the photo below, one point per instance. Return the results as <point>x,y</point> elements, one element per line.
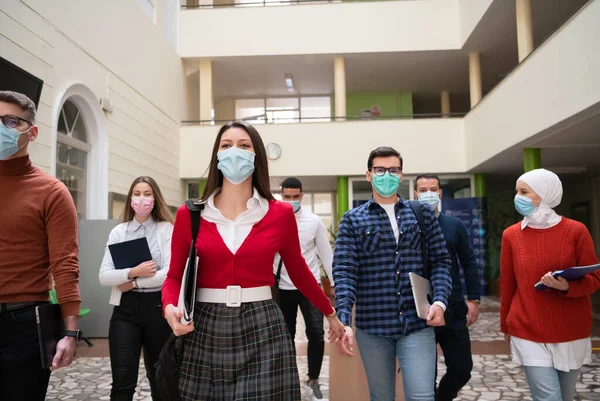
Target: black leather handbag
<point>168,366</point>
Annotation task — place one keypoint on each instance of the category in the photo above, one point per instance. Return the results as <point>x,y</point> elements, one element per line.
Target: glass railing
<point>192,5</point>
<point>302,120</point>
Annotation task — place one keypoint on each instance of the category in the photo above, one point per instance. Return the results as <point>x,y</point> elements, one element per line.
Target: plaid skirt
<point>240,354</point>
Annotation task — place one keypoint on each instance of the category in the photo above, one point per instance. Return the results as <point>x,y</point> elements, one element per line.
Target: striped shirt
<point>371,268</point>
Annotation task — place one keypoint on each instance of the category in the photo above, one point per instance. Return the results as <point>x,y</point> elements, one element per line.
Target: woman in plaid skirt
<point>238,347</point>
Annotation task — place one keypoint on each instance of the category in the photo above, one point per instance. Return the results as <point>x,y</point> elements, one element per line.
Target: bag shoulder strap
<point>195,207</point>
<point>278,275</point>
<point>417,209</point>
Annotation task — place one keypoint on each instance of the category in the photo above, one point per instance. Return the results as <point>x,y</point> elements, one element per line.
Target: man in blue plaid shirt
<point>377,245</point>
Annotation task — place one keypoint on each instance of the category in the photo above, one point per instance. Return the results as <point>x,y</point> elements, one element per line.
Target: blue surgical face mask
<point>296,204</point>
<point>524,205</point>
<point>9,141</point>
<point>236,164</point>
<point>386,185</point>
<point>430,198</point>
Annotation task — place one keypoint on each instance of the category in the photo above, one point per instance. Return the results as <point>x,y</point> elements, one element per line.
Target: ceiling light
<point>289,82</point>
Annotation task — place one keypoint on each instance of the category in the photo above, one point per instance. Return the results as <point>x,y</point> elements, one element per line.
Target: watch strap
<point>77,334</point>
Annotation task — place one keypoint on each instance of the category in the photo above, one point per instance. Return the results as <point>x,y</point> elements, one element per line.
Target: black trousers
<point>136,324</point>
<point>289,302</point>
<point>21,375</point>
<point>455,343</point>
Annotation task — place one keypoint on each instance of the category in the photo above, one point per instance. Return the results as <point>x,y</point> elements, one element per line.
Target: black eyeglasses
<point>394,171</point>
<point>11,121</point>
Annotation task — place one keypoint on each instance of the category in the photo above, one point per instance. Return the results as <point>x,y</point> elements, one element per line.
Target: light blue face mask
<point>524,205</point>
<point>431,198</point>
<point>386,185</point>
<point>296,204</point>
<point>9,141</point>
<point>236,164</point>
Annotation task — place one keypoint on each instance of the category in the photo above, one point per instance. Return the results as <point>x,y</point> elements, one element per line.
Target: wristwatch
<point>475,301</point>
<point>77,334</point>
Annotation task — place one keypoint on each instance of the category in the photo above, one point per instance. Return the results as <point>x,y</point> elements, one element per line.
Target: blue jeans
<point>549,384</point>
<point>416,354</point>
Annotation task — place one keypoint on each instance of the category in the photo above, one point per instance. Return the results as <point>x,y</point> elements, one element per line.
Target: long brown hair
<point>160,212</point>
<point>260,176</point>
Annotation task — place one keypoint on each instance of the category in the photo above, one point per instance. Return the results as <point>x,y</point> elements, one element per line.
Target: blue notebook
<point>570,274</point>
<point>130,253</point>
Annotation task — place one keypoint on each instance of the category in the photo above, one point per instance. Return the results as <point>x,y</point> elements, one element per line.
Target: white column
<point>206,97</point>
<point>339,76</point>
<point>445,97</point>
<point>524,28</point>
<point>474,78</point>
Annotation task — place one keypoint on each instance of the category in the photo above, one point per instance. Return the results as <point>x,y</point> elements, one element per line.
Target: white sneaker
<point>314,391</point>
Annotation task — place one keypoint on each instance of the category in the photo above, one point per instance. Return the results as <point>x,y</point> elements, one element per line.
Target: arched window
<point>72,150</point>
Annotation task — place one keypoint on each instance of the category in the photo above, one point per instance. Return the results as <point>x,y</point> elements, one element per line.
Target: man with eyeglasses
<point>38,240</point>
<point>377,245</point>
<point>454,337</point>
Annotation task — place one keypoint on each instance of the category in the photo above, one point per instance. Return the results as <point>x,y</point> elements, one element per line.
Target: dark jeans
<point>135,324</point>
<point>289,302</point>
<point>21,375</point>
<point>456,345</point>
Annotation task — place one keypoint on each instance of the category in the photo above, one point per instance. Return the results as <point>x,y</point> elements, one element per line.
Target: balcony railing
<point>266,3</point>
<point>260,121</point>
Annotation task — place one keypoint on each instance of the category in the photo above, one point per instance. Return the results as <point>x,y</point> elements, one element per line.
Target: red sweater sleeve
<point>180,248</point>
<point>296,266</point>
<point>586,255</point>
<point>508,282</point>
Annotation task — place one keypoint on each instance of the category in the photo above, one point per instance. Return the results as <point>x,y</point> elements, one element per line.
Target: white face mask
<point>430,198</point>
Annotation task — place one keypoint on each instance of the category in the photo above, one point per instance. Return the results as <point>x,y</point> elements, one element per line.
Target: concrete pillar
<point>475,78</point>
<point>339,76</point>
<point>343,198</point>
<point>480,188</point>
<point>532,158</point>
<point>445,96</point>
<point>206,96</point>
<point>524,28</point>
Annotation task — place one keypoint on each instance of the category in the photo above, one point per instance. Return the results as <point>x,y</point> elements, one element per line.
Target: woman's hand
<point>173,316</point>
<point>507,338</point>
<point>558,284</point>
<point>128,286</point>
<point>336,329</point>
<point>346,344</point>
<point>145,269</point>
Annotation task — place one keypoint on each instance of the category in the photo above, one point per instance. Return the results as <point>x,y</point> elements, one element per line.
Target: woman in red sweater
<point>239,350</point>
<point>549,330</point>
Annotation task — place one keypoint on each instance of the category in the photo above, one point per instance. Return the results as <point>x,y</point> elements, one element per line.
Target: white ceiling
<point>426,72</point>
<point>573,145</point>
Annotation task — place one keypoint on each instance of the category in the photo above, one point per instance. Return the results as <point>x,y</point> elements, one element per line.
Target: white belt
<point>233,295</point>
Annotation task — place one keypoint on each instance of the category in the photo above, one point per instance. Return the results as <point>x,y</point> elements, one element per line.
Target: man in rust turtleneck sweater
<point>38,241</point>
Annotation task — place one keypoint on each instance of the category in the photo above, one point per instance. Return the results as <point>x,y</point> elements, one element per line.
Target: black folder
<point>51,330</point>
<point>130,253</point>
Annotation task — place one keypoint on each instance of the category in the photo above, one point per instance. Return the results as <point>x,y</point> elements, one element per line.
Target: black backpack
<point>168,366</point>
<point>417,209</point>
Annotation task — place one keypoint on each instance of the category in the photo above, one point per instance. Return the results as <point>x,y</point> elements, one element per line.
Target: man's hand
<point>65,353</point>
<point>473,313</point>
<point>558,284</point>
<point>173,316</point>
<point>346,344</point>
<point>128,286</point>
<point>435,316</point>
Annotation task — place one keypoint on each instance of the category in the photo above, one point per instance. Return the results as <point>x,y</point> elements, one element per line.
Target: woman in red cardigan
<point>549,330</point>
<point>239,350</point>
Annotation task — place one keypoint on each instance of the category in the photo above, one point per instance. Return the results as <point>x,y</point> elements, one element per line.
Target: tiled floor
<point>495,377</point>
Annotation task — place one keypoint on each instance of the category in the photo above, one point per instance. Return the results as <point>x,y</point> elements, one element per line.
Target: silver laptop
<point>422,293</point>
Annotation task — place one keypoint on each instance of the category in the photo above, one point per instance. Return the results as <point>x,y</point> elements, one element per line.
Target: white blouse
<point>565,357</point>
<point>234,232</point>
